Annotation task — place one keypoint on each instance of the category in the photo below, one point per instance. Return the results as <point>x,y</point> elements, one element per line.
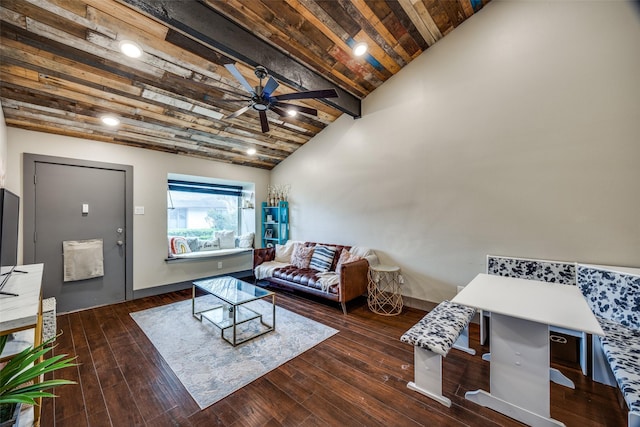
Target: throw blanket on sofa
<point>266,269</point>
<point>328,279</point>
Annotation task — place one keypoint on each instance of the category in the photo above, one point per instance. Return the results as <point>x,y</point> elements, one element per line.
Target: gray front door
<point>75,202</point>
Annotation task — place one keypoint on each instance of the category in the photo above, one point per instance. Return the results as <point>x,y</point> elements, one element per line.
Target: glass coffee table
<point>230,306</point>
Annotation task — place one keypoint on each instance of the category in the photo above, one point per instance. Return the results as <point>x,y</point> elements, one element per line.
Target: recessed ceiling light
<point>292,112</point>
<point>131,49</point>
<point>110,120</point>
<point>360,49</point>
<point>251,151</point>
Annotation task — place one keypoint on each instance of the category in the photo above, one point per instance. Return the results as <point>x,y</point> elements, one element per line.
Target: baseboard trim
<point>419,304</point>
<point>179,286</point>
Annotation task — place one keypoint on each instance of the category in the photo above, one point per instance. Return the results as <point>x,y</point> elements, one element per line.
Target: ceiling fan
<point>261,97</point>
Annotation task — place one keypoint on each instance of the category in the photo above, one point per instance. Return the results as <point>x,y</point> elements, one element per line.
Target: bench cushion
<point>533,269</point>
<point>614,295</point>
<point>440,328</point>
<point>621,346</point>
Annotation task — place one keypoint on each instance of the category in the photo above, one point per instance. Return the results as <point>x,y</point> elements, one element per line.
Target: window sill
<point>202,255</point>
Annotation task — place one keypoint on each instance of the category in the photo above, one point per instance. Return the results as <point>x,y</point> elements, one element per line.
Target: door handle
<point>120,242</point>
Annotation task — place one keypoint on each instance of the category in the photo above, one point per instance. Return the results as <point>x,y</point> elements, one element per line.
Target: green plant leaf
<point>48,365</point>
<point>28,366</point>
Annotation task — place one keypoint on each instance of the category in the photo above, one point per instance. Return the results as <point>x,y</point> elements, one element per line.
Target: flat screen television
<point>9,217</point>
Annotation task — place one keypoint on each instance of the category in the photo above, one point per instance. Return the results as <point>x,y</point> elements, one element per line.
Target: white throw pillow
<point>365,253</point>
<point>246,240</point>
<point>209,245</point>
<point>227,239</point>
<point>283,252</point>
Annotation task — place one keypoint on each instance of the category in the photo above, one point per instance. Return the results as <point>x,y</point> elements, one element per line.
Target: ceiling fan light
<point>292,112</point>
<point>360,49</point>
<point>110,120</point>
<point>130,49</point>
<point>251,151</point>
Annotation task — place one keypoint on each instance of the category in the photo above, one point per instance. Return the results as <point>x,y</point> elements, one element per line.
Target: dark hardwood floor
<point>357,377</point>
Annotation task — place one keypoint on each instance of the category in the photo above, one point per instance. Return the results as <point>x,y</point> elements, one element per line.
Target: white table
<point>521,312</point>
<point>23,312</point>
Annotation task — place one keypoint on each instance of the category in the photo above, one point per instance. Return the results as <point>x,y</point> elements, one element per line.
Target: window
<point>199,209</point>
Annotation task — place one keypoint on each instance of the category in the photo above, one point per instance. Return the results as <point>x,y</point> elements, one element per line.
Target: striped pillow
<point>322,258</point>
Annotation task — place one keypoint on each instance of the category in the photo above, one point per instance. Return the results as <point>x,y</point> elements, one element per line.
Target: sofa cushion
<point>533,269</point>
<point>345,257</point>
<point>621,345</point>
<point>284,252</point>
<point>301,256</point>
<point>339,249</point>
<point>302,276</point>
<point>614,295</point>
<point>322,258</point>
<point>194,243</point>
<point>227,239</point>
<point>440,328</point>
<point>209,245</point>
<point>246,240</point>
<point>365,253</point>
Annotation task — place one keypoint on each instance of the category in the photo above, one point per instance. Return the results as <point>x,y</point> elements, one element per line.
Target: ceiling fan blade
<point>231,92</point>
<point>237,113</point>
<point>270,87</point>
<point>233,70</point>
<point>237,100</point>
<point>325,93</point>
<point>306,110</point>
<point>279,111</point>
<point>264,122</point>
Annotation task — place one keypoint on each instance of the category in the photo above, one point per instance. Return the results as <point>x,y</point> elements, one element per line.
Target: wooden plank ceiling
<point>61,68</point>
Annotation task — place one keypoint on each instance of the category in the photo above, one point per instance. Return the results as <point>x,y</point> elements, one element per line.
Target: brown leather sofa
<point>353,276</point>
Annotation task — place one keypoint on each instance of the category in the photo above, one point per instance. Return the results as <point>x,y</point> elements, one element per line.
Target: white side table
<point>384,295</point>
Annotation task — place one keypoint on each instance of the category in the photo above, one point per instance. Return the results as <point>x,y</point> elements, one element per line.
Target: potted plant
<point>17,377</point>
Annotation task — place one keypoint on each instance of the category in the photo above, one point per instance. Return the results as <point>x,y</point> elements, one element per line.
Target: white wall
<point>517,134</point>
<point>150,169</point>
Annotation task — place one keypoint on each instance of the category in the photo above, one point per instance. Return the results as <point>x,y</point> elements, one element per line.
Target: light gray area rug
<point>211,368</point>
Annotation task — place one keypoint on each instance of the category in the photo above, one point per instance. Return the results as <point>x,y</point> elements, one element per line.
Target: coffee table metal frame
<point>232,312</point>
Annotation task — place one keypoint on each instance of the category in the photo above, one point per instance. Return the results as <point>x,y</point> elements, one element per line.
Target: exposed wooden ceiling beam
<point>206,25</point>
<point>423,21</point>
<point>61,67</point>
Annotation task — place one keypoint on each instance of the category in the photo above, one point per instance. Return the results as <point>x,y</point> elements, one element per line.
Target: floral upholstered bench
<point>433,337</point>
<point>613,293</point>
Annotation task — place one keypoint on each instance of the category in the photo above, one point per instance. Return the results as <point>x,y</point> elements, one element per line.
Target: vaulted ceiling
<point>61,68</point>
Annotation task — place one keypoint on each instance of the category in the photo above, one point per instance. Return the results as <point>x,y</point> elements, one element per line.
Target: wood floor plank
<point>355,378</point>
<point>121,406</point>
<point>89,382</point>
<point>218,414</point>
